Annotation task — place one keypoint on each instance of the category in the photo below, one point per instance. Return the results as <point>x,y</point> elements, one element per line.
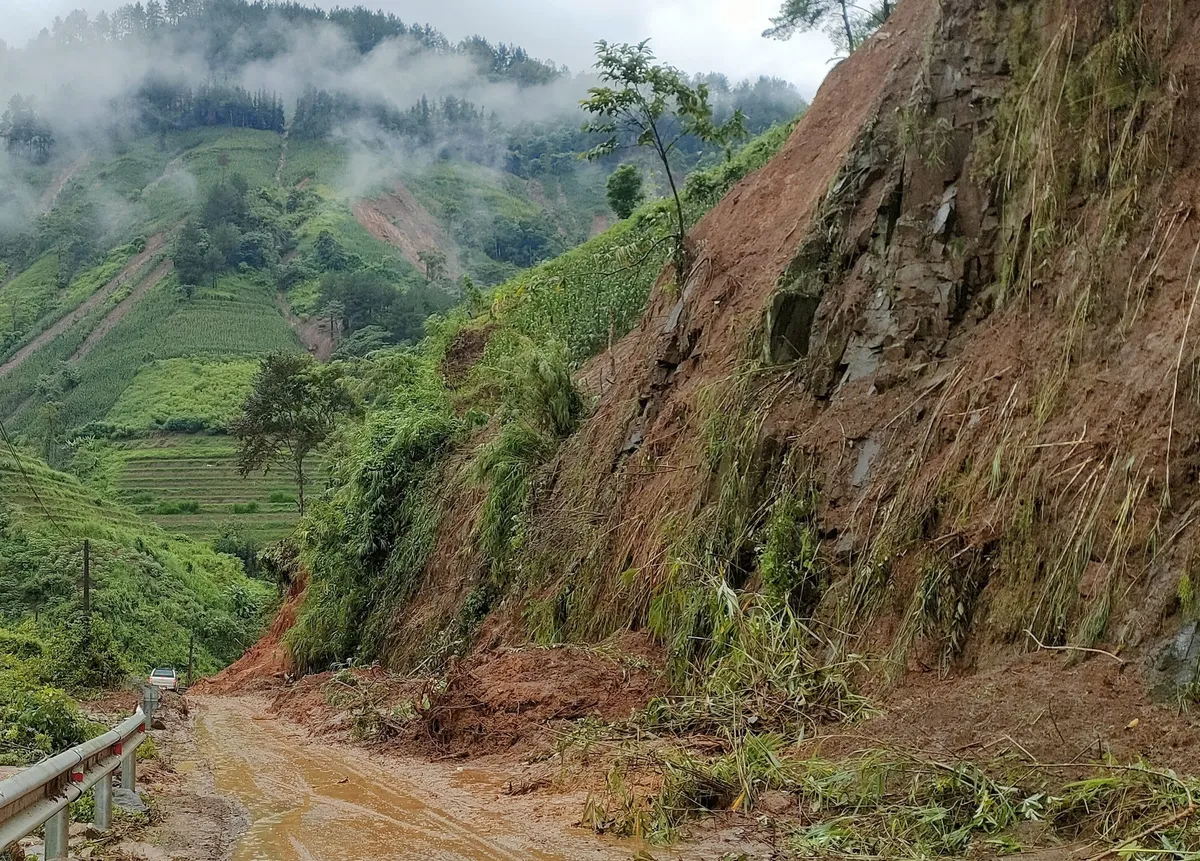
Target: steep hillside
<point>899,316</point>
<point>911,435</point>
<point>214,223</point>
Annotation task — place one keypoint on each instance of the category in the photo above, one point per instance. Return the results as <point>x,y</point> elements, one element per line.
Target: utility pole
<point>87,577</point>
<point>191,656</point>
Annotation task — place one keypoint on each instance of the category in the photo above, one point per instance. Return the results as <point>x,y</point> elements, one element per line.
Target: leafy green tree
<point>369,297</point>
<point>225,203</point>
<point>639,97</point>
<point>625,190</point>
<point>51,419</point>
<point>846,22</point>
<point>330,254</point>
<point>363,342</point>
<point>189,256</point>
<point>214,264</point>
<point>333,312</point>
<point>477,303</point>
<point>24,132</point>
<point>233,540</point>
<point>84,656</point>
<point>290,412</point>
<point>434,262</point>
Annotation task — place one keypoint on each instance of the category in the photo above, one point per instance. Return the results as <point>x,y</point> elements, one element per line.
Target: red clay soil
<point>117,314</point>
<point>153,246</point>
<point>512,699</point>
<point>741,247</point>
<point>600,224</point>
<point>314,334</point>
<point>1046,706</point>
<point>398,219</point>
<point>268,661</point>
<point>464,351</point>
<point>505,702</point>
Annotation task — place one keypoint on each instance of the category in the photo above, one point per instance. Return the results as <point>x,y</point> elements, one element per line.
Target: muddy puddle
<point>326,802</point>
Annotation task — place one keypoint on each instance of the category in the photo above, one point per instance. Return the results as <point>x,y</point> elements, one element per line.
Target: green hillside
<point>190,485</point>
<point>151,593</point>
<point>150,260</point>
<point>147,583</point>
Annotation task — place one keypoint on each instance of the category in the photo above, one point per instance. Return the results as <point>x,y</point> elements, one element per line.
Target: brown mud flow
<point>315,801</point>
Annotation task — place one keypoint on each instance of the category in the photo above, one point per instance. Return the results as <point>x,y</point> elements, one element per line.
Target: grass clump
<point>1092,119</point>
<point>542,407</point>
<point>753,668</point>
<point>36,720</point>
<point>899,805</point>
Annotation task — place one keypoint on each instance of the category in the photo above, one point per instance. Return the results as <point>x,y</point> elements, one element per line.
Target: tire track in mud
<point>297,790</point>
<point>87,306</point>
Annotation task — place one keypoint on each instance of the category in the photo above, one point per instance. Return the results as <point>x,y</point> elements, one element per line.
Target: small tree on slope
<point>625,192</point>
<point>290,413</point>
<point>847,23</point>
<point>639,99</point>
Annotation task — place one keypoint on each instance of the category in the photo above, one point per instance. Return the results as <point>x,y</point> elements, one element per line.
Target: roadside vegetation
<point>150,593</point>
<point>367,540</point>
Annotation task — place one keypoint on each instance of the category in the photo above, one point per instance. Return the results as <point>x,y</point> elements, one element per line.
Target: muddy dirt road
<point>312,800</point>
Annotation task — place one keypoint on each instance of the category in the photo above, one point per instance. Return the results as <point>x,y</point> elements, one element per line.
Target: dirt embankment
<point>268,661</point>
<point>131,270</point>
<point>50,197</point>
<point>315,334</point>
<point>399,219</point>
<point>991,394</point>
<point>991,403</point>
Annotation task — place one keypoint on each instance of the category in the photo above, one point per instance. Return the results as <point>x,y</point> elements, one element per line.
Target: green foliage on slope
<point>368,540</point>
<point>150,592</point>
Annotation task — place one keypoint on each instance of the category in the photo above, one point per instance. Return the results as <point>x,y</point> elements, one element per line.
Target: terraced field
<point>190,485</point>
<point>74,507</point>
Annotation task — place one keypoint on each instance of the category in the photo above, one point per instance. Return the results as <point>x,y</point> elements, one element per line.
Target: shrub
<point>187,506</point>
<point>84,656</point>
<point>542,406</point>
<point>233,540</point>
<point>36,721</point>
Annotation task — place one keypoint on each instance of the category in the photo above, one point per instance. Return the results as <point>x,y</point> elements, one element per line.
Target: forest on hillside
<point>230,63</point>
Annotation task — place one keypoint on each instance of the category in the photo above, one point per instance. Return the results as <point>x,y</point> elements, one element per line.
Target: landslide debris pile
<point>920,417</point>
<point>946,337</point>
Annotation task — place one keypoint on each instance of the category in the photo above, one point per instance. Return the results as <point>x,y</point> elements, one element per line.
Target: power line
<point>29,482</point>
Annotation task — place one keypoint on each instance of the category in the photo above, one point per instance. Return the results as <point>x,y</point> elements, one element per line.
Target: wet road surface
<point>309,800</point>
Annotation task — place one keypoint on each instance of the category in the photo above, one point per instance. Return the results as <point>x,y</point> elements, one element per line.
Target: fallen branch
<point>1156,827</point>
<point>1042,645</point>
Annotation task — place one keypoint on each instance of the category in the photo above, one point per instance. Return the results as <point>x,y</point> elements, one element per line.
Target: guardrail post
<point>150,697</point>
<point>104,803</point>
<point>129,770</point>
<point>58,835</point>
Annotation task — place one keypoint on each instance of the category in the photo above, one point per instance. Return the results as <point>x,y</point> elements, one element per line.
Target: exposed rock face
<point>959,296</point>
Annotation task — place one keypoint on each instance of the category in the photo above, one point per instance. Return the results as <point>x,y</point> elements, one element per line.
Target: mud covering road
<point>314,800</point>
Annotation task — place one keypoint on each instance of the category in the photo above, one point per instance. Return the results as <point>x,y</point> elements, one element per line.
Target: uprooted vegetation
<point>923,405</point>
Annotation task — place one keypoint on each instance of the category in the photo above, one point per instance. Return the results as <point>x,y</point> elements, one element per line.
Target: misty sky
<point>695,35</point>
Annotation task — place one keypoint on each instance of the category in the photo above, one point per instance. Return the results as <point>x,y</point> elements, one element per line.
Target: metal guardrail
<point>41,794</point>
